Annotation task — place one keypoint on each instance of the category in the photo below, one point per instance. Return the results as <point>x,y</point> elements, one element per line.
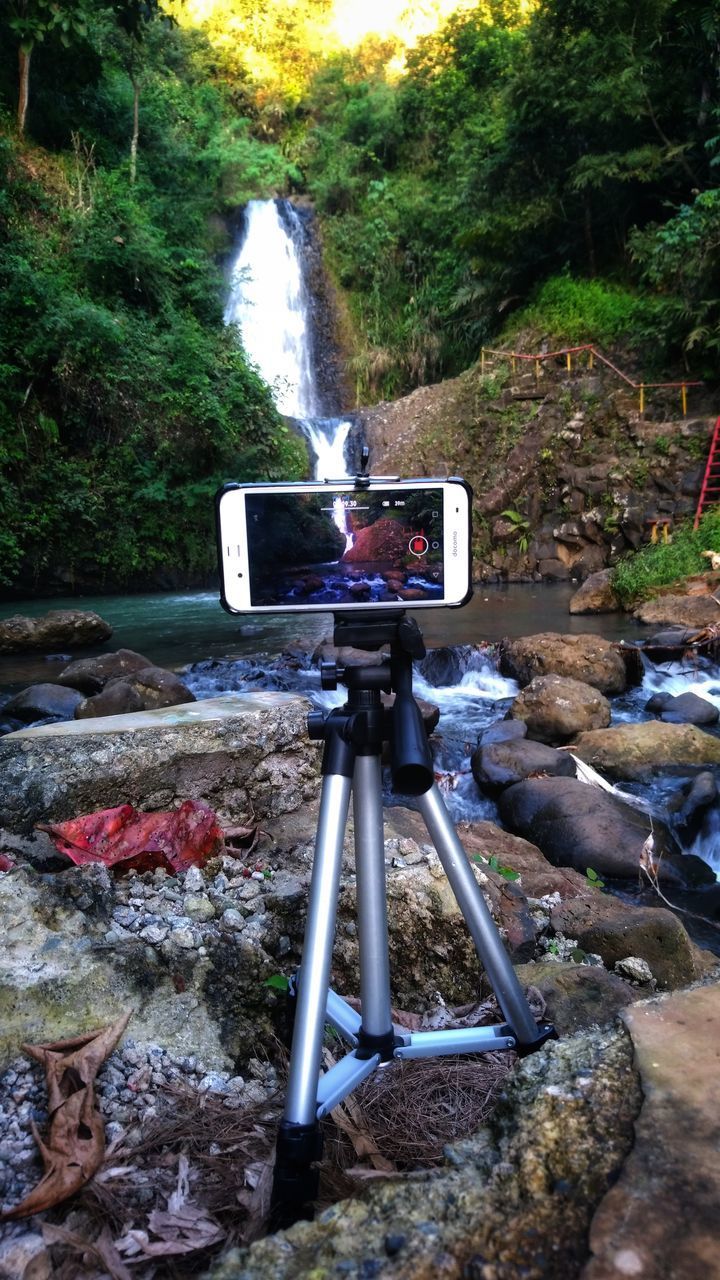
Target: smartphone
<point>338,547</point>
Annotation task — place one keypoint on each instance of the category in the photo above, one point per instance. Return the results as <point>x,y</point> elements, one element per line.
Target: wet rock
<point>500,764</point>
<point>683,708</point>
<point>586,658</point>
<point>90,675</point>
<point>556,708</point>
<point>145,690</point>
<point>596,595</point>
<point>637,751</point>
<point>43,702</point>
<point>580,826</point>
<point>448,664</point>
<point>239,754</point>
<point>691,804</point>
<point>605,926</point>
<point>503,731</point>
<point>59,629</point>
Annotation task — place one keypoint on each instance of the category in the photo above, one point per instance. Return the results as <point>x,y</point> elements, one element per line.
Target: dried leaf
<point>76,1138</point>
<point>103,1248</point>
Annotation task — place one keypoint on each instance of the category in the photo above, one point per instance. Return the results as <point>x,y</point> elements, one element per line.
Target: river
<point>174,629</point>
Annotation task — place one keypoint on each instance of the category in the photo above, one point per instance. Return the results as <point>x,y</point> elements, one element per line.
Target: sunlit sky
<point>354,19</point>
<point>351,20</point>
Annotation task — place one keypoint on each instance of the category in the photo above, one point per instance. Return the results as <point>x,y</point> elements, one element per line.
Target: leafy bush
<point>576,311</point>
<point>660,564</point>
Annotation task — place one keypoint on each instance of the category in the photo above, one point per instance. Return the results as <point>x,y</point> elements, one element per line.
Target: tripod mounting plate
<point>374,630</point>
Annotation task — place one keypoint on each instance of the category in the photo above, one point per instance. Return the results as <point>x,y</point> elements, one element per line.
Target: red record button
<point>418,544</point>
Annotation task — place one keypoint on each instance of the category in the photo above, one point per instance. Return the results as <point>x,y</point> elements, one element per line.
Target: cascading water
<point>271,304</point>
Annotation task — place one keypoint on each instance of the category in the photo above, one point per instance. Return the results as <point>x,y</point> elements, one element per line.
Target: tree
<point>31,21</point>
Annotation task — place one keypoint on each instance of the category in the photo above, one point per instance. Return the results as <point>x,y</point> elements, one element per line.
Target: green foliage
<point>593,878</point>
<point>576,311</point>
<point>660,564</point>
<point>512,165</point>
<point>124,401</point>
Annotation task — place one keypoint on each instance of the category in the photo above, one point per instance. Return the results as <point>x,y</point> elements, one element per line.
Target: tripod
<point>354,735</point>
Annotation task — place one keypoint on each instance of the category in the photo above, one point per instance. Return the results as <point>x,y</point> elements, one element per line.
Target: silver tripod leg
<point>314,977</point>
<point>480,923</point>
<point>371,897</point>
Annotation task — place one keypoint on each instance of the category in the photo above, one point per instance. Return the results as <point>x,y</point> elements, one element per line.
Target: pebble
<point>131,1087</point>
<point>188,915</point>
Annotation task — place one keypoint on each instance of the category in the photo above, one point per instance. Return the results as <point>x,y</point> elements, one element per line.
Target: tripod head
<point>362,722</point>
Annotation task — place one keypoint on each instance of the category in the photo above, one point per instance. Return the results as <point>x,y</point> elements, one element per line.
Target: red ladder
<point>710,491</point>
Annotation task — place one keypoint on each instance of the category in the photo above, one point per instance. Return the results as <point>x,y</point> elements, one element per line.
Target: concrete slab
<point>208,709</point>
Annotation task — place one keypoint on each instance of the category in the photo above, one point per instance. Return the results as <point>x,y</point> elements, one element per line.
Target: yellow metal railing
<point>592,354</point>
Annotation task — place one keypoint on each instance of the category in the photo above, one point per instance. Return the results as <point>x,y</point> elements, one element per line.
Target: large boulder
<point>605,926</point>
<point>587,658</point>
<point>596,595</point>
<point>145,690</point>
<point>556,708</point>
<point>43,702</point>
<point>636,751</point>
<point>241,753</point>
<point>56,630</point>
<point>90,675</point>
<point>497,765</point>
<point>580,826</point>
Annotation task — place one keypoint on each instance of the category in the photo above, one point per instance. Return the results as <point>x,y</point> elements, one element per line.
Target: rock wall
<point>581,474</point>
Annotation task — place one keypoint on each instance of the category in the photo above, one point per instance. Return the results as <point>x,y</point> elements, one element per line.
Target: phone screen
<point>333,548</point>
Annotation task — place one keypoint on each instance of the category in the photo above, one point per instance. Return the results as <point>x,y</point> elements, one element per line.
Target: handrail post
<point>482,362</point>
<point>642,399</point>
<point>568,361</point>
<point>683,395</point>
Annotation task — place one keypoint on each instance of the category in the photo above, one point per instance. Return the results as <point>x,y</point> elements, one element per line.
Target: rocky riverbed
<point>199,959</point>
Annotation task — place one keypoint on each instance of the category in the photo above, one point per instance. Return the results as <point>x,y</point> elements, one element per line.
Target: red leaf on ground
<point>5,863</point>
<point>129,840</point>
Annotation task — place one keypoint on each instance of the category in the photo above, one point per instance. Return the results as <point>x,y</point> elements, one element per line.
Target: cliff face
<point>579,474</point>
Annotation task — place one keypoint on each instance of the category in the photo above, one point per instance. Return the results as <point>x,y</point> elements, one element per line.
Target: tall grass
<point>660,564</point>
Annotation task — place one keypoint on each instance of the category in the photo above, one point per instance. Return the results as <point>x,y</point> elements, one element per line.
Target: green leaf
<point>277,982</point>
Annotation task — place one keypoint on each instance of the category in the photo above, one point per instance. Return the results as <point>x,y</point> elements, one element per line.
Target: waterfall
<point>270,303</point>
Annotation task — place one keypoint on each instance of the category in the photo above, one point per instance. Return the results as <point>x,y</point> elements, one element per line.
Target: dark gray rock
<point>497,765</point>
<point>90,675</point>
<point>43,702</point>
<point>683,708</point>
<point>692,804</point>
<point>580,826</point>
<point>448,665</point>
<point>503,731</point>
<point>144,690</point>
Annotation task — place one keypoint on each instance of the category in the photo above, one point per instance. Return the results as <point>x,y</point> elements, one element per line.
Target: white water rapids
<point>270,303</point>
